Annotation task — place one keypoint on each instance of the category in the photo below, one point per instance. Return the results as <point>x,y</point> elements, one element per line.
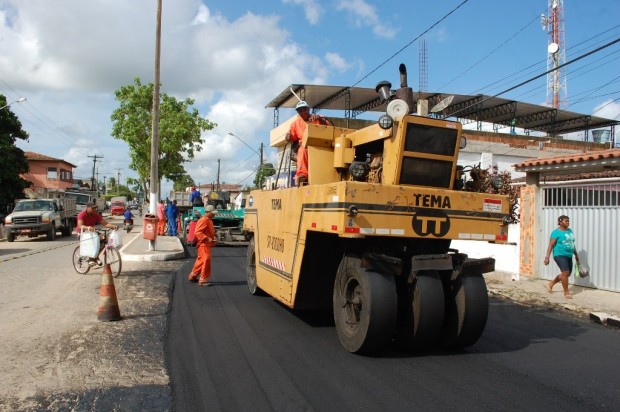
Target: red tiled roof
<point>38,156</point>
<point>612,154</point>
<point>577,176</point>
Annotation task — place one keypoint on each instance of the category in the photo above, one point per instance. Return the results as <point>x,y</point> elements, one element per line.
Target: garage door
<point>594,212</point>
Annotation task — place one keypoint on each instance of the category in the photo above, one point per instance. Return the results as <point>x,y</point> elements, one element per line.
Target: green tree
<point>182,182</point>
<point>111,183</point>
<point>13,161</point>
<point>264,171</point>
<point>180,129</point>
<point>134,186</point>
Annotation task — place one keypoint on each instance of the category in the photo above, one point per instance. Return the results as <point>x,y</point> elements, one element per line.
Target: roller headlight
<point>359,171</point>
<point>385,122</point>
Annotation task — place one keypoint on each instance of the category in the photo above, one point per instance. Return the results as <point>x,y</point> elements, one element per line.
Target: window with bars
<point>607,195</point>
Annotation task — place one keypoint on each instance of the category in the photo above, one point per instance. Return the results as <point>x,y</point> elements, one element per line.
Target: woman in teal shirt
<point>562,242</point>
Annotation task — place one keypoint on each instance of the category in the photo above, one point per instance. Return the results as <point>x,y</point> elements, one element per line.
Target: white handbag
<point>89,244</point>
<point>115,240</point>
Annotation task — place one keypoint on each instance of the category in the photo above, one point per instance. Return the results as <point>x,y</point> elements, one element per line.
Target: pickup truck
<point>33,217</point>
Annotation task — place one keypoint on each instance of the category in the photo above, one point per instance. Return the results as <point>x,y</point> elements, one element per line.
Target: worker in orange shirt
<point>205,239</point>
<point>161,215</point>
<point>295,136</point>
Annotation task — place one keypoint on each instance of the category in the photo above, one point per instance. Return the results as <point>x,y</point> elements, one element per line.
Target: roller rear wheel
<point>423,316</point>
<point>467,312</point>
<point>365,306</point>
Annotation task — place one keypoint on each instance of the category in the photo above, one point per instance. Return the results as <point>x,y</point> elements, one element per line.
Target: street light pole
<point>21,99</point>
<point>241,140</point>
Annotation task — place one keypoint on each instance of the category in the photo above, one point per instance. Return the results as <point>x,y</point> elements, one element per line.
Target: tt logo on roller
<point>430,222</point>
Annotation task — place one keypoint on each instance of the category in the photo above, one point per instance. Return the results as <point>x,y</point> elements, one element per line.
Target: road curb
<point>151,255</point>
<point>534,299</point>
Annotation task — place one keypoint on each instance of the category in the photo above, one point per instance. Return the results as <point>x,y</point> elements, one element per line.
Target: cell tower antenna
<point>553,23</point>
<point>423,66</point>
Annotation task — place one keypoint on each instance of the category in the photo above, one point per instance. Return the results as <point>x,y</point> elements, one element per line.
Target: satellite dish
<point>442,104</point>
<point>553,48</point>
<point>397,108</point>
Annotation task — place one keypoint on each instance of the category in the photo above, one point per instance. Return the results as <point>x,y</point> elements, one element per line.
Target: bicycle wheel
<point>113,258</point>
<point>80,263</point>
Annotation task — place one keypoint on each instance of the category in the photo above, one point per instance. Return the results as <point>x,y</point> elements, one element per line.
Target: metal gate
<point>594,212</point>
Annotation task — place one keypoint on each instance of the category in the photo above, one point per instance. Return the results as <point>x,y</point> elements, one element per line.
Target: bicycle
<point>109,255</point>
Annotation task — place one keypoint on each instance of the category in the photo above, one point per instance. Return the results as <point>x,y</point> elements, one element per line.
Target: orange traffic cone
<point>108,304</point>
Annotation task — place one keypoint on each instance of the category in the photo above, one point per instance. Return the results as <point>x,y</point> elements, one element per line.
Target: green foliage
<point>180,130</point>
<point>13,161</point>
<point>505,187</point>
<point>263,172</point>
<point>181,182</point>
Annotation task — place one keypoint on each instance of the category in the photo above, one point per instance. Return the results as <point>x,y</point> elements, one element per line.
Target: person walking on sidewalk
<point>205,239</point>
<point>562,242</point>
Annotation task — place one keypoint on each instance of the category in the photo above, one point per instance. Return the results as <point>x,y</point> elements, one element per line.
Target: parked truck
<point>118,205</point>
<point>33,217</point>
<point>369,235</point>
<point>83,198</point>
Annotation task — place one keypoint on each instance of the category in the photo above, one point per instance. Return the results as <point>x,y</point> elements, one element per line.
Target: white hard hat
<point>302,103</point>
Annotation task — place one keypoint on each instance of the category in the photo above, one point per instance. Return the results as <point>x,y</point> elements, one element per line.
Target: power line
<point>544,74</point>
<point>490,53</point>
<point>411,42</point>
<point>575,49</point>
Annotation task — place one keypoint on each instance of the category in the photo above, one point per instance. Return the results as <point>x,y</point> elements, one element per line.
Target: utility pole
<point>92,180</point>
<point>261,155</point>
<point>218,175</point>
<point>154,195</point>
<point>118,181</point>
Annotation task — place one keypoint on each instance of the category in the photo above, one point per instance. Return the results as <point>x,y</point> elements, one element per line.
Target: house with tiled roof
<point>576,178</point>
<point>586,188</point>
<point>48,173</point>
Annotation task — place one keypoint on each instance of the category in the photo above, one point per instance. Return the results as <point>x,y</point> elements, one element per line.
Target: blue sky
<point>68,56</point>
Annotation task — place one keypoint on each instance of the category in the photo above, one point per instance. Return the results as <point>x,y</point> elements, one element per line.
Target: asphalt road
<point>228,350</point>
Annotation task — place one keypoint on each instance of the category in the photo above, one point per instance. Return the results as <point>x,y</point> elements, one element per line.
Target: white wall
<point>507,256</point>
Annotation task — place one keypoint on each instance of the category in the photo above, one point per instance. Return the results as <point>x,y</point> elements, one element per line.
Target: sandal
<point>548,288</point>
<point>569,296</point>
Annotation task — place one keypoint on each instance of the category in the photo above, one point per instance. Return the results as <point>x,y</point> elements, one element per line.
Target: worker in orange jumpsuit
<point>295,136</point>
<point>161,215</point>
<point>205,239</point>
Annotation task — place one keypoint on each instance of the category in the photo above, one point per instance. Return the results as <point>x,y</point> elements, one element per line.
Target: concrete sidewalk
<point>166,248</point>
<point>599,305</point>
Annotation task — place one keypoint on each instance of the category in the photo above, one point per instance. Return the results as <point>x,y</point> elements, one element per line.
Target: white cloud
<point>312,9</point>
<point>608,109</point>
<point>365,15</point>
<point>68,60</point>
<point>337,62</point>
